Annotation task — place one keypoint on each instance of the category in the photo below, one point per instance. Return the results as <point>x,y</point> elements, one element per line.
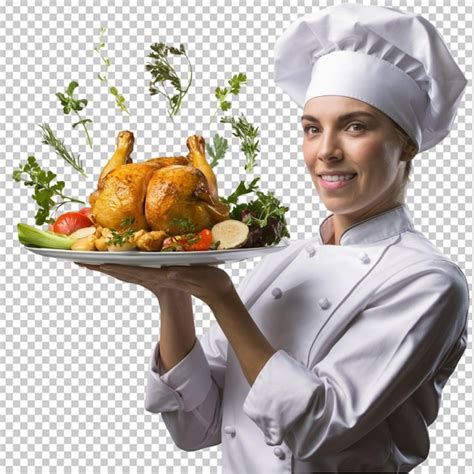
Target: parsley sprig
<point>247,134</point>
<point>60,148</point>
<point>70,103</point>
<point>221,94</point>
<point>163,72</point>
<point>119,99</point>
<point>217,150</point>
<point>44,189</point>
<point>122,237</point>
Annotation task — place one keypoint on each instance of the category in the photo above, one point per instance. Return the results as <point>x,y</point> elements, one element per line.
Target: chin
<point>338,206</point>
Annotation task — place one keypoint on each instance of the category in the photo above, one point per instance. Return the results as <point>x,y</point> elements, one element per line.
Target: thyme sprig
<point>119,99</point>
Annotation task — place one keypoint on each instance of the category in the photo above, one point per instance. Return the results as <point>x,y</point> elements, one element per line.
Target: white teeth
<point>344,177</point>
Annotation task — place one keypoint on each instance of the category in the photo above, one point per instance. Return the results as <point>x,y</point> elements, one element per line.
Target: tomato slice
<point>69,222</point>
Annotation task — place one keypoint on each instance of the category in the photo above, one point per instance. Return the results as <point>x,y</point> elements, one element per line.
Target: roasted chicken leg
<point>171,194</point>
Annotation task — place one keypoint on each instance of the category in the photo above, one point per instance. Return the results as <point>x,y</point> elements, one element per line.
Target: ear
<point>409,151</point>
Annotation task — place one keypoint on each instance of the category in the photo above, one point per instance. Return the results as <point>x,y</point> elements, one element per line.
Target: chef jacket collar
<point>375,228</point>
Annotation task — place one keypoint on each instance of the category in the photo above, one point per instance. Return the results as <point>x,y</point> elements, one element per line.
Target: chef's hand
<point>208,283</point>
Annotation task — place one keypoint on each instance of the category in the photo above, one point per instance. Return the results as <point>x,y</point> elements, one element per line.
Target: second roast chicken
<point>165,193</point>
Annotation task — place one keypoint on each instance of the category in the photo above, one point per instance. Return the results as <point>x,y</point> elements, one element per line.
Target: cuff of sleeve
<point>184,387</point>
<point>280,394</point>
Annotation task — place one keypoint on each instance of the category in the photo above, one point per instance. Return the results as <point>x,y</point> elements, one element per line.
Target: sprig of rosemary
<point>217,150</point>
<point>221,94</point>
<point>60,148</point>
<point>247,134</point>
<point>44,189</point>
<point>163,72</point>
<point>69,104</point>
<point>119,99</point>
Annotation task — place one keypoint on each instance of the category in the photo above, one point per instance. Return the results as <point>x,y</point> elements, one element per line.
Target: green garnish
<point>183,223</point>
<point>69,104</point>
<point>241,189</point>
<point>120,238</point>
<point>162,72</point>
<point>266,206</point>
<point>44,189</point>
<point>34,237</point>
<point>221,94</point>
<point>60,149</point>
<point>220,148</point>
<point>119,99</point>
<point>247,134</point>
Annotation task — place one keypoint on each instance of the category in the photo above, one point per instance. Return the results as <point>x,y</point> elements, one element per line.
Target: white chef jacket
<point>366,332</point>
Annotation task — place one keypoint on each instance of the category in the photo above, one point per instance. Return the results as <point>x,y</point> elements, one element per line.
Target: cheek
<point>308,155</point>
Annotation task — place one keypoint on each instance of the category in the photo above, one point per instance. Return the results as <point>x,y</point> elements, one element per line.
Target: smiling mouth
<point>337,178</point>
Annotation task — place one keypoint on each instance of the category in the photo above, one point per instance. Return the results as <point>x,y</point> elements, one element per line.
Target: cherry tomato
<point>69,222</point>
<point>200,241</point>
<point>203,241</point>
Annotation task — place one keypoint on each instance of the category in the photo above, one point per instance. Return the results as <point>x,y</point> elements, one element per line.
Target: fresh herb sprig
<point>241,190</point>
<point>217,150</point>
<point>119,99</point>
<point>247,134</point>
<point>163,72</point>
<point>60,148</point>
<point>221,94</point>
<point>69,104</point>
<point>121,237</point>
<point>184,224</point>
<point>44,189</point>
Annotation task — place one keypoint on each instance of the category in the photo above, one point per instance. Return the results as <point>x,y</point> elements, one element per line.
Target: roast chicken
<point>176,194</point>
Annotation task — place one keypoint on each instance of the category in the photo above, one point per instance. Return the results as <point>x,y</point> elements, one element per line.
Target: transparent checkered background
<point>74,345</point>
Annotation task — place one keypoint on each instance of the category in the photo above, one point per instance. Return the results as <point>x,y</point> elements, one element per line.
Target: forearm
<point>177,331</point>
<point>250,346</point>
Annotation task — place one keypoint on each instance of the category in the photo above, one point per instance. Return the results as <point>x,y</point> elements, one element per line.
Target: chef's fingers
<point>147,277</point>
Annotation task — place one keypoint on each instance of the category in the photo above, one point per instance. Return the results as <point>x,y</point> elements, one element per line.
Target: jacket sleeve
<point>394,345</point>
<point>189,396</point>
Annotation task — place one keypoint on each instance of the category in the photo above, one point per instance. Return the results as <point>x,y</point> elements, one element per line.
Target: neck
<point>342,222</point>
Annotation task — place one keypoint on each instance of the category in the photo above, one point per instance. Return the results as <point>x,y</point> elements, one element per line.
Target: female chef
<point>332,353</point>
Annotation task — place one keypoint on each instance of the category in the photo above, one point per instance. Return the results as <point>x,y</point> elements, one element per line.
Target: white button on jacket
<point>352,386</point>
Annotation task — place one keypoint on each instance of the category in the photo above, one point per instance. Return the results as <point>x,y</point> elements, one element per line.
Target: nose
<point>328,147</point>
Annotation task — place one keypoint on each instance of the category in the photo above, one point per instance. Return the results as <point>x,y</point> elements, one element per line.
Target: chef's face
<point>365,147</point>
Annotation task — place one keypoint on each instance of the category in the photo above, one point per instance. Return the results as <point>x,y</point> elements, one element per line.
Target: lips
<point>337,184</point>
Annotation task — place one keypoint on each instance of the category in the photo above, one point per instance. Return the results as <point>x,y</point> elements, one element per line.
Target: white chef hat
<point>395,61</point>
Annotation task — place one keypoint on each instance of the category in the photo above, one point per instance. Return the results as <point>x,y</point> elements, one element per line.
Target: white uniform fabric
<point>395,61</point>
<point>367,334</point>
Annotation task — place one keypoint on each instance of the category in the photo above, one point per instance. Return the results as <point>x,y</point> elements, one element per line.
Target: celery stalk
<point>34,237</point>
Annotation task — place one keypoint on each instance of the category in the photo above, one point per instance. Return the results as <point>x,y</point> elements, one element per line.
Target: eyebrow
<point>341,118</point>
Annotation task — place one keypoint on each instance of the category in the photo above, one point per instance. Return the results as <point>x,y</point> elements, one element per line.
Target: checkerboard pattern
<point>74,345</point>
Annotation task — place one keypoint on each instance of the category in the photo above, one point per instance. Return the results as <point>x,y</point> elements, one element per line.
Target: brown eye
<point>362,126</point>
<point>307,129</point>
